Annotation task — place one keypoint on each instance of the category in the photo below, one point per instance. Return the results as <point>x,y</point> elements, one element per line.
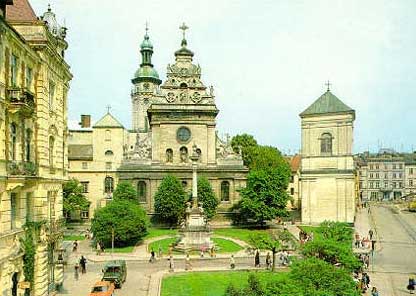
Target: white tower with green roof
<point>327,177</point>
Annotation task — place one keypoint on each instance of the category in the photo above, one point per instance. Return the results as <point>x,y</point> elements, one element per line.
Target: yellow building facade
<point>33,155</point>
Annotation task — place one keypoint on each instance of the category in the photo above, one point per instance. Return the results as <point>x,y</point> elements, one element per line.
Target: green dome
<point>146,44</point>
<point>146,71</point>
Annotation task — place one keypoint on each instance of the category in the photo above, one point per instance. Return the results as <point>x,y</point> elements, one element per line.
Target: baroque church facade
<point>170,120</point>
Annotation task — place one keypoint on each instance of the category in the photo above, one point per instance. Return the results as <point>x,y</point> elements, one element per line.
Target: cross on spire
<point>184,27</point>
<point>328,84</point>
<point>108,109</point>
<point>147,27</point>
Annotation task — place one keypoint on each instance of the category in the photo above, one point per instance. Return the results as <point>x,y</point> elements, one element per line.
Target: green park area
<point>210,283</point>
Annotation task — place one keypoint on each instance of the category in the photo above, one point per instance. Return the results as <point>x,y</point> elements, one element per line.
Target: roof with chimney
<point>21,11</point>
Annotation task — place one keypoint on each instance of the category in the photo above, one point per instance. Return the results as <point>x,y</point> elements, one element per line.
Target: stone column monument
<point>195,233</point>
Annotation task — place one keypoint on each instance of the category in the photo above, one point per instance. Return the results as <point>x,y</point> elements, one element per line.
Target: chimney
<point>85,121</point>
<point>3,4</point>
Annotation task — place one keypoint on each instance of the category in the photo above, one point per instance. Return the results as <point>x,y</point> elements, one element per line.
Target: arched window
<point>108,184</point>
<point>109,153</point>
<point>184,154</point>
<point>51,151</point>
<point>169,155</point>
<point>225,191</point>
<point>13,141</point>
<point>183,85</point>
<point>141,191</point>
<point>28,140</point>
<point>326,143</point>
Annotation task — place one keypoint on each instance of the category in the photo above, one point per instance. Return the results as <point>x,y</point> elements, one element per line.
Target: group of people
<point>81,263</point>
<point>305,237</point>
<point>362,281</point>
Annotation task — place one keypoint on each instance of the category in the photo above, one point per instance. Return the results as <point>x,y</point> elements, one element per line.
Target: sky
<point>267,61</point>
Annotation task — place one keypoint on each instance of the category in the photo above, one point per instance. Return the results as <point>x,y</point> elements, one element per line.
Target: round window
<point>183,134</point>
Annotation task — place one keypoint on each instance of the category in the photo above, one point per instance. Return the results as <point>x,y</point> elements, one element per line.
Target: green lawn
<point>224,245</point>
<point>128,249</point>
<point>74,237</point>
<point>209,283</point>
<point>155,232</point>
<point>238,233</point>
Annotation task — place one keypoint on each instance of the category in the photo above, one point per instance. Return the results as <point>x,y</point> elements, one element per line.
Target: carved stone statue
<point>184,154</point>
<point>169,155</point>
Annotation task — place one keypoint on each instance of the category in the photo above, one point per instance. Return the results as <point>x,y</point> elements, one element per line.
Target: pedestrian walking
<point>374,292</point>
<point>370,234</point>
<point>213,252</point>
<point>171,264</point>
<point>366,280</point>
<point>268,260</point>
<point>152,256</point>
<point>76,271</point>
<point>188,265</point>
<point>202,253</point>
<point>102,247</point>
<point>83,264</point>
<point>160,253</point>
<point>75,246</point>
<point>411,285</point>
<point>357,240</point>
<point>232,262</point>
<point>98,249</point>
<point>257,259</point>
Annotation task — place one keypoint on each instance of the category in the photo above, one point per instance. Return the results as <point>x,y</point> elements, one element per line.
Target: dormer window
<point>326,143</point>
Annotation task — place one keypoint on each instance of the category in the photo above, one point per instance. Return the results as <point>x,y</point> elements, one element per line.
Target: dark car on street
<point>115,271</point>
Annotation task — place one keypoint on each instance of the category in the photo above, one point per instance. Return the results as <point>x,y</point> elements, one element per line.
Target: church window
<point>326,143</point>
<point>292,191</point>
<point>169,155</point>
<point>108,135</point>
<point>51,151</point>
<point>184,154</point>
<point>109,153</point>
<point>225,191</point>
<point>108,184</point>
<point>183,134</point>
<point>141,191</point>
<point>183,85</point>
<point>13,141</point>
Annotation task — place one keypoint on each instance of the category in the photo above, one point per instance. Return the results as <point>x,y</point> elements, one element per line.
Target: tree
<point>207,196</point>
<point>243,142</point>
<point>170,200</point>
<point>267,157</point>
<point>274,241</point>
<point>265,196</point>
<point>125,191</point>
<point>127,219</point>
<point>337,231</point>
<point>319,278</point>
<point>74,198</point>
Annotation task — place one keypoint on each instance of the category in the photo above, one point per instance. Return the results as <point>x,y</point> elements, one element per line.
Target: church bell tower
<point>146,83</point>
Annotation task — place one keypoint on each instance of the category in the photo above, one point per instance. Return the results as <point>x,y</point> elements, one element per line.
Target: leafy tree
<point>337,231</point>
<point>170,200</point>
<point>274,241</point>
<point>332,252</point>
<point>207,196</point>
<point>319,278</point>
<point>243,142</point>
<point>265,196</point>
<point>74,198</point>
<point>127,218</point>
<point>267,157</point>
<point>125,191</point>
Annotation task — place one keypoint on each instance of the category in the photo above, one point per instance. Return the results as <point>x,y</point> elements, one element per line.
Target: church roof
<point>21,10</point>
<point>327,103</point>
<point>108,120</point>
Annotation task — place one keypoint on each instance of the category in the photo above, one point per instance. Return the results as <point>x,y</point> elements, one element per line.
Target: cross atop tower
<point>328,84</point>
<point>147,27</point>
<point>108,109</point>
<point>184,27</point>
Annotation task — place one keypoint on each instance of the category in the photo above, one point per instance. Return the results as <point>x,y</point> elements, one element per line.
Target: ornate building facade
<point>169,119</point>
<point>327,166</point>
<point>34,82</point>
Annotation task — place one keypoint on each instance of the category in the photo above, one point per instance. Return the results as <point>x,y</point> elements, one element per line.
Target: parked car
<point>103,288</point>
<point>115,271</point>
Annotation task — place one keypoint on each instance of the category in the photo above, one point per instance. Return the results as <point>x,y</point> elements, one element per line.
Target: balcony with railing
<point>20,99</point>
<point>22,168</point>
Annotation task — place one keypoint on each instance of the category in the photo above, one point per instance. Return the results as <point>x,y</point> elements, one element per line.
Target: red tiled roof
<point>295,162</point>
<point>20,11</point>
